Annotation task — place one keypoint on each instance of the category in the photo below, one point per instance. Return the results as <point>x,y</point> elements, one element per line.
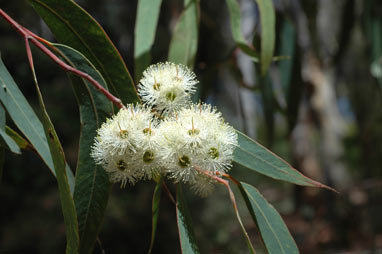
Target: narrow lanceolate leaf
<point>186,233</point>
<point>58,157</point>
<point>145,27</point>
<point>184,41</point>
<point>273,230</point>
<point>257,158</point>
<point>235,19</point>
<point>155,211</point>
<point>268,22</point>
<point>6,140</point>
<point>74,27</point>
<point>25,119</point>
<point>92,186</point>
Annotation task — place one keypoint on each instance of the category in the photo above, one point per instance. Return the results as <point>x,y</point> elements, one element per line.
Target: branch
<point>29,36</point>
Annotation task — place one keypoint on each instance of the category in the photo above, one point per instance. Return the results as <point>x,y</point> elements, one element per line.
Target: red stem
<point>29,36</point>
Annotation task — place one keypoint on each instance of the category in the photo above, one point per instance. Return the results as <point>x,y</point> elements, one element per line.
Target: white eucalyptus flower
<point>167,86</point>
<point>196,138</point>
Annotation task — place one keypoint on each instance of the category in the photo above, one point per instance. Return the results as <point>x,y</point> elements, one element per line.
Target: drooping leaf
<point>145,27</point>
<point>186,233</point>
<point>235,19</point>
<point>92,183</point>
<point>268,22</point>
<point>184,41</point>
<point>155,211</point>
<point>26,120</point>
<point>58,157</point>
<point>254,156</point>
<point>273,230</point>
<point>74,27</point>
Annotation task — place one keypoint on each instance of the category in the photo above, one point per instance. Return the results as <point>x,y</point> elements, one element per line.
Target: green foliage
<point>268,23</point>
<point>145,27</point>
<point>186,233</point>
<point>184,41</point>
<point>7,141</point>
<point>76,28</point>
<point>254,156</point>
<point>58,157</point>
<point>274,232</point>
<point>26,120</point>
<point>155,211</point>
<point>92,184</point>
<point>88,49</point>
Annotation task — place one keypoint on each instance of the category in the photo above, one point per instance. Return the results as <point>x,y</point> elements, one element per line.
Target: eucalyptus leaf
<point>155,211</point>
<point>26,120</point>
<point>145,33</point>
<point>74,27</point>
<point>58,157</point>
<point>235,20</point>
<point>184,41</point>
<point>92,183</point>
<point>268,31</point>
<point>186,233</point>
<point>273,230</point>
<point>255,157</point>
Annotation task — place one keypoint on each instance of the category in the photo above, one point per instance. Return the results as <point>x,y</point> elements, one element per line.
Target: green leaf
<point>184,41</point>
<point>8,141</point>
<point>273,230</point>
<point>74,27</point>
<point>145,26</point>
<point>25,119</point>
<point>186,233</point>
<point>235,19</point>
<point>268,22</point>
<point>58,157</point>
<point>257,158</point>
<point>155,211</point>
<point>92,186</point>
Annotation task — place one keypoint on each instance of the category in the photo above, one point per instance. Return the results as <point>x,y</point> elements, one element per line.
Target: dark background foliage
<point>320,110</point>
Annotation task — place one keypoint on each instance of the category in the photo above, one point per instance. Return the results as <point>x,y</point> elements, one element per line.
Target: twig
<point>29,36</point>
<point>168,193</point>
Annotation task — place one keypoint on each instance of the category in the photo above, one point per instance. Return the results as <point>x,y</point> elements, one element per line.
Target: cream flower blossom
<point>122,143</point>
<point>188,142</point>
<point>167,86</point>
<point>196,138</point>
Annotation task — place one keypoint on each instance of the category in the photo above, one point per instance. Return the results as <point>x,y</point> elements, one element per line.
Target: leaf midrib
<point>267,221</point>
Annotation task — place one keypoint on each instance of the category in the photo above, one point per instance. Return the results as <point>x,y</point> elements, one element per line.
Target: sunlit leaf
<point>145,27</point>
<point>186,233</point>
<point>74,27</point>
<point>92,183</point>
<point>273,230</point>
<point>25,119</point>
<point>257,158</point>
<point>184,41</point>
<point>155,211</point>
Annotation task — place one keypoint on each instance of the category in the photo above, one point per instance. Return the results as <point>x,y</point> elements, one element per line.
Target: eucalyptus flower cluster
<point>168,135</point>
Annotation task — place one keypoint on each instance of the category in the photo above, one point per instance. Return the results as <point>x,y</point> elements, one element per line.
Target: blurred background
<point>319,108</point>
